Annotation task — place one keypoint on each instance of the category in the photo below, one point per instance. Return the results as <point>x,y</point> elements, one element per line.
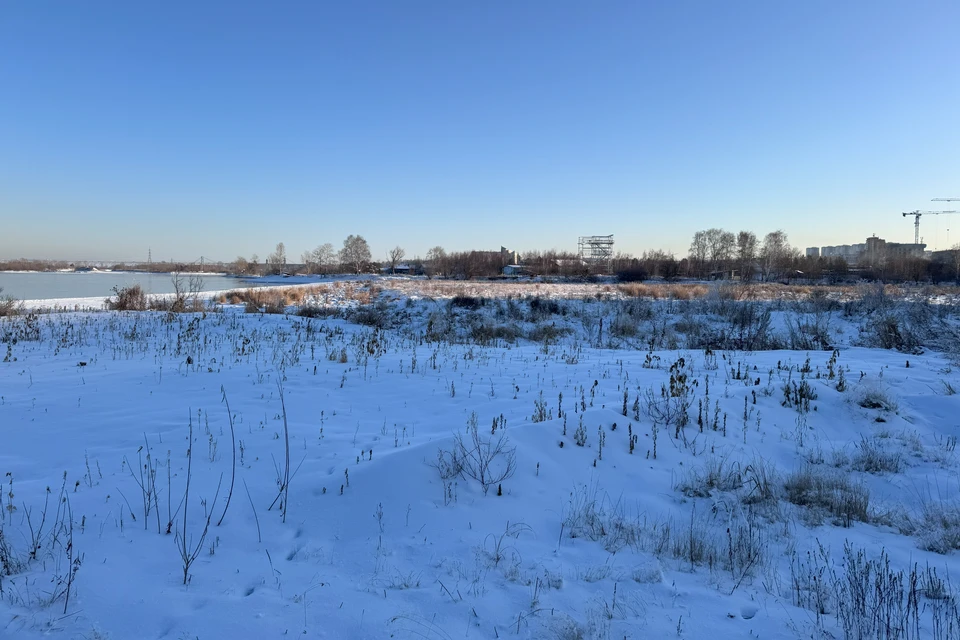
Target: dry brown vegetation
<point>366,292</point>
<point>658,290</point>
<point>8,306</point>
<point>776,291</point>
<point>318,294</point>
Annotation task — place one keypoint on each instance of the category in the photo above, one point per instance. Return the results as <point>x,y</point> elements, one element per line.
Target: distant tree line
<point>713,254</point>
<point>716,253</point>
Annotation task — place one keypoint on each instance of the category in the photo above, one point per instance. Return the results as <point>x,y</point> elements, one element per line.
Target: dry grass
<point>663,291</point>
<point>275,299</point>
<point>367,292</point>
<point>259,296</point>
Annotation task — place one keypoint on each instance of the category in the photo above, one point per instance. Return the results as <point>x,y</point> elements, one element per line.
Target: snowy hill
<point>653,469</point>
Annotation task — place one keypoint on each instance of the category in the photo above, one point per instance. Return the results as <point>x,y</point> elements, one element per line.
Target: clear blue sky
<point>223,128</point>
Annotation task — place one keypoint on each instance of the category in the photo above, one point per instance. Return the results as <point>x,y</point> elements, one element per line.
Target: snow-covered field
<point>801,482</point>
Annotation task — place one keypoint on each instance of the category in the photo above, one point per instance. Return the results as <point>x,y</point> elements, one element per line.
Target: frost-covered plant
<point>9,306</point>
<point>871,456</point>
<point>870,394</point>
<point>498,547</point>
<point>671,407</point>
<point>828,492</point>
<point>580,435</point>
<point>488,460</point>
<point>539,409</point>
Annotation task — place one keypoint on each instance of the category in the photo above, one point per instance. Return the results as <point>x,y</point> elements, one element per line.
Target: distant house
<point>726,274</point>
<point>514,270</point>
<point>400,269</point>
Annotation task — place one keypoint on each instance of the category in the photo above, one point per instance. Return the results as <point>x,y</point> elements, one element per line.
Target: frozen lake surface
<point>88,284</point>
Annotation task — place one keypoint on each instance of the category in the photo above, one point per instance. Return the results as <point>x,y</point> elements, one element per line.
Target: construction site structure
<point>596,251</point>
<point>916,219</point>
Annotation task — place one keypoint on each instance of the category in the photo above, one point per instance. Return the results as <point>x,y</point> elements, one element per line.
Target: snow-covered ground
<point>336,510</point>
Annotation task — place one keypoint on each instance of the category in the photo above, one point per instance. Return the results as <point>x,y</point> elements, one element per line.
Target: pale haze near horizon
<point>223,129</point>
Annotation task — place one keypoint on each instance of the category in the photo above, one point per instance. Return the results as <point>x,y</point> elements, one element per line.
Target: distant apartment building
<point>850,253</point>
<point>879,251</point>
<point>874,251</point>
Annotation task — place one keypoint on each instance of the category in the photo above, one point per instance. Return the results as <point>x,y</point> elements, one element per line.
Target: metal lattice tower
<point>596,250</point>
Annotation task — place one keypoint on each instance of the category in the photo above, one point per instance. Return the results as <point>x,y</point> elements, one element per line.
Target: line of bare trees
<point>713,253</point>
<point>721,254</point>
<point>717,252</point>
<point>353,257</point>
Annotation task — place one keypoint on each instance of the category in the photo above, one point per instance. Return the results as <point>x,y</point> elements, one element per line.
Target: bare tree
<point>355,253</point>
<point>277,260</point>
<point>721,244</point>
<point>195,286</point>
<point>437,259</point>
<point>776,254</point>
<point>956,261</point>
<point>179,304</point>
<point>394,257</point>
<point>699,251</point>
<point>746,253</point>
<point>307,259</point>
<point>319,258</point>
<point>240,265</point>
<point>660,263</point>
<point>324,255</point>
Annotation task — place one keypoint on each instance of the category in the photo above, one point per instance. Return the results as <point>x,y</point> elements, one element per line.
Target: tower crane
<point>916,220</point>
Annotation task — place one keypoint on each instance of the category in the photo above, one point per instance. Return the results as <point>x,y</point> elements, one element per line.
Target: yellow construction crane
<point>916,218</point>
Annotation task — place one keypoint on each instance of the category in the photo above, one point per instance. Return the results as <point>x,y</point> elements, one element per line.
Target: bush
<point>871,600</point>
<point>623,326</point>
<point>755,484</point>
<point>543,308</point>
<point>371,315</point>
<point>871,457</point>
<point>722,537</point>
<point>130,298</point>
<point>828,492</point>
<point>889,332</point>
<point>487,459</point>
<point>485,333</point>
<point>820,302</point>
<point>750,324</point>
<point>10,562</point>
<point>545,333</point>
<point>276,305</point>
<point>717,474</point>
<point>871,297</point>
<point>938,528</point>
<point>592,516</point>
<point>632,275</point>
<point>870,395</point>
<point>907,327</point>
<point>809,332</point>
<point>467,302</point>
<point>317,311</point>
<point>9,306</point>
